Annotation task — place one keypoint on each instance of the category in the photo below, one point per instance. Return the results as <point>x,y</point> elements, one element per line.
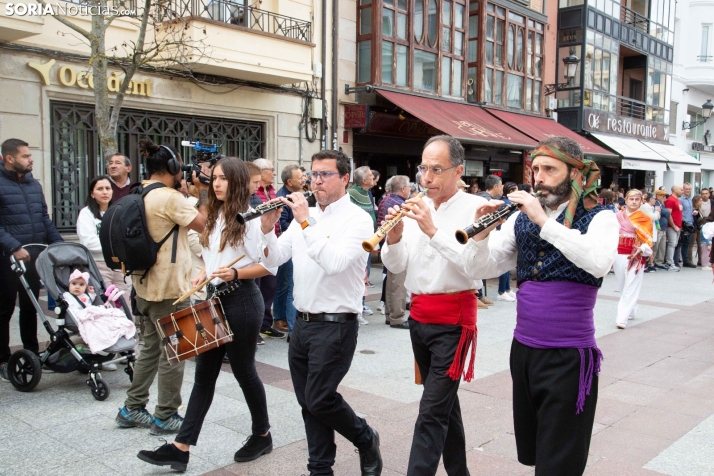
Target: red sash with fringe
<point>454,309</point>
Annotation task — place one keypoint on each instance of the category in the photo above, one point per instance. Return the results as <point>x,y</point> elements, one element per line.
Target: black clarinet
<point>261,210</point>
<point>462,236</point>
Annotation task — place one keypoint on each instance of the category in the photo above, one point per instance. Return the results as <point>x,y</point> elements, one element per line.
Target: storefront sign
<point>389,124</point>
<point>356,116</point>
<point>700,147</point>
<point>574,35</point>
<point>68,76</point>
<point>602,121</point>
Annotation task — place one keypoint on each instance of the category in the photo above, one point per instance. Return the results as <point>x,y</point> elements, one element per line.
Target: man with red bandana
<point>563,244</point>
<point>442,322</point>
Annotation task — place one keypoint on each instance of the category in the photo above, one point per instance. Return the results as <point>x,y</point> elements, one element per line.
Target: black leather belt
<point>226,287</point>
<point>326,317</point>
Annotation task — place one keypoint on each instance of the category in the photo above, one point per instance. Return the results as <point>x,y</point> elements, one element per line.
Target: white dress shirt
<point>251,248</point>
<point>435,266</point>
<point>328,260</point>
<point>594,251</point>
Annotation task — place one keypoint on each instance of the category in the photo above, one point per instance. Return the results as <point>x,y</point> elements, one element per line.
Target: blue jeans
<point>283,308</point>
<point>504,282</point>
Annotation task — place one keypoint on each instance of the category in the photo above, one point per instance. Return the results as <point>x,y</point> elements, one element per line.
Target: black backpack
<point>127,245</point>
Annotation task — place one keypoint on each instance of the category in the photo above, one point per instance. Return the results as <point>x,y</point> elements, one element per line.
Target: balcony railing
<point>242,15</point>
<point>631,108</point>
<point>704,59</point>
<point>634,19</point>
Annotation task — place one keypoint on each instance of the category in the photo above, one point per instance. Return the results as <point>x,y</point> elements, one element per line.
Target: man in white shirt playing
<point>564,244</point>
<point>325,244</point>
<point>442,321</point>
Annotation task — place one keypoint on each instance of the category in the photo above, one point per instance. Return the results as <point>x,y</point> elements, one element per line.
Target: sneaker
<point>260,341</point>
<point>3,372</point>
<point>505,297</point>
<point>367,311</point>
<point>512,294</point>
<point>109,367</point>
<point>166,455</point>
<point>659,266</point>
<point>254,447</point>
<point>690,265</point>
<point>648,270</point>
<point>673,268</point>
<point>706,268</point>
<point>132,418</point>
<point>362,321</point>
<point>622,326</point>
<point>165,427</point>
<point>273,332</point>
<point>370,285</point>
<point>380,307</point>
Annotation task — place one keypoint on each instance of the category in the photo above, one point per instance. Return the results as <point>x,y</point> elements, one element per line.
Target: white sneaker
<point>622,326</point>
<point>362,321</point>
<point>380,307</point>
<point>706,268</point>
<point>367,311</point>
<point>673,268</point>
<point>512,294</point>
<point>505,297</point>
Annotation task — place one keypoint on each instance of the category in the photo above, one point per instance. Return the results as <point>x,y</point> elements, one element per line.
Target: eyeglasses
<point>324,176</point>
<point>434,170</point>
<point>271,169</point>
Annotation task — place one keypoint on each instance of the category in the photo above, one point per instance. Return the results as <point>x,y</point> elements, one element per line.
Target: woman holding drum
<point>225,239</point>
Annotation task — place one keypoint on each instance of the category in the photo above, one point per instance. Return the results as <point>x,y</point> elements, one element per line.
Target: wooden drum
<point>194,330</point>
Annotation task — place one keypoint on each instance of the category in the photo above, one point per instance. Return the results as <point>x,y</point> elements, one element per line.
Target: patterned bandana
<point>586,169</point>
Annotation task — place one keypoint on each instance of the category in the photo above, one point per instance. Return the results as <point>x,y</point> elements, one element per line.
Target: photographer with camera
<point>167,213</point>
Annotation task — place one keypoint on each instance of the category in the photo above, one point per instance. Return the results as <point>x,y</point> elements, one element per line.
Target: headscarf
<point>586,169</point>
<point>78,274</point>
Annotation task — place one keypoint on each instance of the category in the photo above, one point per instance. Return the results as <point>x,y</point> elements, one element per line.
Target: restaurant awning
<point>466,122</point>
<point>631,149</point>
<point>540,128</point>
<point>677,159</point>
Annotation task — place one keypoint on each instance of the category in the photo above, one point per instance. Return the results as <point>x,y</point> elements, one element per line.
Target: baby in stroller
<point>99,326</point>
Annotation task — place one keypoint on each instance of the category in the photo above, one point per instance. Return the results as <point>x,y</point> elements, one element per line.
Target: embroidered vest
<point>539,260</point>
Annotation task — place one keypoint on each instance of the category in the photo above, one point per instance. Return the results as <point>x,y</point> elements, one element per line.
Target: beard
<point>19,169</point>
<point>556,195</point>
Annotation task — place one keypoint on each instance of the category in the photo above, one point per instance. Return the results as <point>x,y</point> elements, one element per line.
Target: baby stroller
<point>54,266</point>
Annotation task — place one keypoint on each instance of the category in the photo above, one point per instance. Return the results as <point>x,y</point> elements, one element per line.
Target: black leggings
<point>244,313</point>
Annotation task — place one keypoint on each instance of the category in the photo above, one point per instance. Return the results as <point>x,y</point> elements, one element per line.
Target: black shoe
<point>255,447</point>
<point>659,266</point>
<point>370,459</point>
<point>166,455</point>
<point>388,322</point>
<point>226,360</point>
<point>261,341</point>
<point>690,265</point>
<point>648,270</point>
<point>273,332</point>
<point>403,325</point>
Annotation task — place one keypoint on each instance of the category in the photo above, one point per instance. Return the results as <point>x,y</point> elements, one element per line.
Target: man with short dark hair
<point>23,220</point>
<point>325,244</point>
<point>283,309</point>
<point>689,218</point>
<point>118,169</point>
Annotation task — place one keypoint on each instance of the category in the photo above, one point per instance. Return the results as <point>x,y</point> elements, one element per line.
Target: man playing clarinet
<point>442,319</point>
<point>325,244</point>
<point>563,244</point>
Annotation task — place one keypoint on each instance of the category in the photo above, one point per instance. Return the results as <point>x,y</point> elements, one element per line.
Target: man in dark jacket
<point>23,220</point>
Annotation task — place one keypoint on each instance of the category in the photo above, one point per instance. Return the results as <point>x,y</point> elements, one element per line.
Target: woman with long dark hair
<point>224,240</point>
<point>88,223</point>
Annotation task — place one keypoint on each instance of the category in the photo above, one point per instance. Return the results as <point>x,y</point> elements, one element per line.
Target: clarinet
<point>462,236</point>
<point>261,210</point>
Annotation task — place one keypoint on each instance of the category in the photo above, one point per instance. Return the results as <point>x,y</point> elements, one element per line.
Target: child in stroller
<point>54,266</point>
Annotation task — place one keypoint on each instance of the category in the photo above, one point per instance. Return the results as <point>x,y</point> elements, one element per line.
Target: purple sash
<point>559,314</point>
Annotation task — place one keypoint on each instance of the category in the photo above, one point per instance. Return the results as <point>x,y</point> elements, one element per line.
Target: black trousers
<point>320,355</point>
<point>268,286</point>
<point>244,312</point>
<point>10,286</point>
<point>549,434</point>
<point>438,429</point>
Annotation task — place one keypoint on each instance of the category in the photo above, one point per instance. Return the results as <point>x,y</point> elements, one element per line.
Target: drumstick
<point>198,288</point>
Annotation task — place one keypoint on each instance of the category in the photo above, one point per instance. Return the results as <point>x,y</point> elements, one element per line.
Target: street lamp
<point>570,64</point>
<point>706,113</point>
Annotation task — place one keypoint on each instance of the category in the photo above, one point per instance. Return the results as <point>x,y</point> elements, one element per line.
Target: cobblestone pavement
<point>655,412</point>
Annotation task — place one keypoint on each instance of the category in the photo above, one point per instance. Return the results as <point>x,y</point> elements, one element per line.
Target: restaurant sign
<point>356,116</point>
<point>601,121</point>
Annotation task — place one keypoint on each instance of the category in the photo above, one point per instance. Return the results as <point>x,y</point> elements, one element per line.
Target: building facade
<point>264,60</point>
<point>692,87</point>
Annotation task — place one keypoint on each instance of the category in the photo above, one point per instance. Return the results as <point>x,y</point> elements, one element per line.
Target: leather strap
<point>340,317</point>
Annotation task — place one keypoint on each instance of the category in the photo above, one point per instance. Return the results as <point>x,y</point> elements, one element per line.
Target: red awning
<point>540,128</point>
<point>465,122</point>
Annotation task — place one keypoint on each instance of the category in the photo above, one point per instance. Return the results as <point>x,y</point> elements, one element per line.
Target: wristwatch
<point>309,222</point>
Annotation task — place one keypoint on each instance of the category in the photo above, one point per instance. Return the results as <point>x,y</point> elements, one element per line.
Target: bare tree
<point>163,41</point>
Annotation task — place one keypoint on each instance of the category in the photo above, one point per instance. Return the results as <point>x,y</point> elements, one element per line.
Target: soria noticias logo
<point>66,9</point>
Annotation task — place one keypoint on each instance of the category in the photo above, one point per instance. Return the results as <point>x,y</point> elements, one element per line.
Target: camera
<point>201,153</point>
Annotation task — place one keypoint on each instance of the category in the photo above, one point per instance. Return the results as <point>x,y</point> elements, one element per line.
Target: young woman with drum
<point>224,240</point>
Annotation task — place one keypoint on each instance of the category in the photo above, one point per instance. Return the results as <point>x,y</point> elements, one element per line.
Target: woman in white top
<point>88,223</point>
<point>224,240</point>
